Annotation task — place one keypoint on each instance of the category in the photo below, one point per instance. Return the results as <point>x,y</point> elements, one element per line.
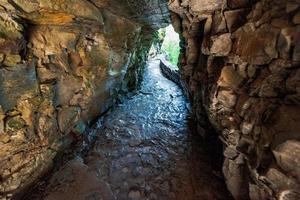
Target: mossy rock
<point>12,60</point>
<point>9,28</point>
<point>15,124</point>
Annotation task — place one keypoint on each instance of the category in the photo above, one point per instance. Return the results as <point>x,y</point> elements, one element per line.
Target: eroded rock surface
<point>62,64</point>
<point>240,62</point>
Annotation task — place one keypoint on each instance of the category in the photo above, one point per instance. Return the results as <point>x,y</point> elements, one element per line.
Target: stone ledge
<point>172,74</point>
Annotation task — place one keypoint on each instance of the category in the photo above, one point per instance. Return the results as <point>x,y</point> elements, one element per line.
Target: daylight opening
<point>166,45</point>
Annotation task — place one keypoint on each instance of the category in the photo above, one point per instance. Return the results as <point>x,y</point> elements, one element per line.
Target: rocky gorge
<point>64,63</point>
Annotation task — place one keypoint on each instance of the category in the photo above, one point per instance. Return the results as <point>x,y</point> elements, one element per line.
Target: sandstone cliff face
<point>63,63</point>
<point>241,64</point>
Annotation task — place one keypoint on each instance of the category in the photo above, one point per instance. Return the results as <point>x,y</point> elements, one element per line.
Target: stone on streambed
<point>77,182</point>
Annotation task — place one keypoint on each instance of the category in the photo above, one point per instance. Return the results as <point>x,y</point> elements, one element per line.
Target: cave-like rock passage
<point>63,63</point>
<point>143,150</point>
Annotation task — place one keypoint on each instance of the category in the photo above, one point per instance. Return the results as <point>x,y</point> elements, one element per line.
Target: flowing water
<point>145,149</point>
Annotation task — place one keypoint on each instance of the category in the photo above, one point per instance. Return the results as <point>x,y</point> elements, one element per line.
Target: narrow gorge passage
<point>144,150</point>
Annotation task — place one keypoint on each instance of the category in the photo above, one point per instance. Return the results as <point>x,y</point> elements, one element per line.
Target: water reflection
<point>147,150</point>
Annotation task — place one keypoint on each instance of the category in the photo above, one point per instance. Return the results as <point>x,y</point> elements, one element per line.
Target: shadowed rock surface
<point>240,61</point>
<point>62,64</point>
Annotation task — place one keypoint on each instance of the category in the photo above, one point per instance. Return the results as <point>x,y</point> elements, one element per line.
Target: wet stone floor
<point>144,150</point>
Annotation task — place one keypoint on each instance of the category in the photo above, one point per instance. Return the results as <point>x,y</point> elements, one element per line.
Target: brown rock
<point>236,179</point>
<point>233,4</point>
<point>227,98</point>
<point>81,183</point>
<point>2,116</point>
<point>296,53</point>
<point>288,37</point>
<point>288,157</point>
<point>289,195</point>
<point>12,60</point>
<point>229,78</point>
<point>66,89</point>
<point>221,45</point>
<point>218,23</point>
<point>230,152</point>
<point>50,18</point>
<point>290,7</point>
<point>67,117</point>
<point>279,181</point>
<point>257,47</point>
<point>273,86</point>
<point>296,18</point>
<point>235,19</point>
<point>15,83</point>
<point>205,5</point>
<point>293,81</point>
<point>280,23</point>
<point>258,193</point>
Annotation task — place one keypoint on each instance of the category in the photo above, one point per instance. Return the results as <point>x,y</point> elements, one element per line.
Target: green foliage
<point>170,45</point>
<point>172,49</point>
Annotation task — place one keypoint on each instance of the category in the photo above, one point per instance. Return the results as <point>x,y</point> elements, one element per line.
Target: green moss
<point>16,123</point>
<point>12,60</point>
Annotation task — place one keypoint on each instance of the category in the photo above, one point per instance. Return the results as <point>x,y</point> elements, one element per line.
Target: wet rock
<point>134,194</point>
<point>75,181</point>
<point>141,151</point>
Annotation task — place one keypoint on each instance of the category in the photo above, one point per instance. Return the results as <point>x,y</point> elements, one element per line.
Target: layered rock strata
<point>241,64</point>
<point>62,64</point>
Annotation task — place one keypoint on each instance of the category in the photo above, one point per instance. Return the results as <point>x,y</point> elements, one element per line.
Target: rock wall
<point>62,64</point>
<point>241,60</point>
<point>172,74</point>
